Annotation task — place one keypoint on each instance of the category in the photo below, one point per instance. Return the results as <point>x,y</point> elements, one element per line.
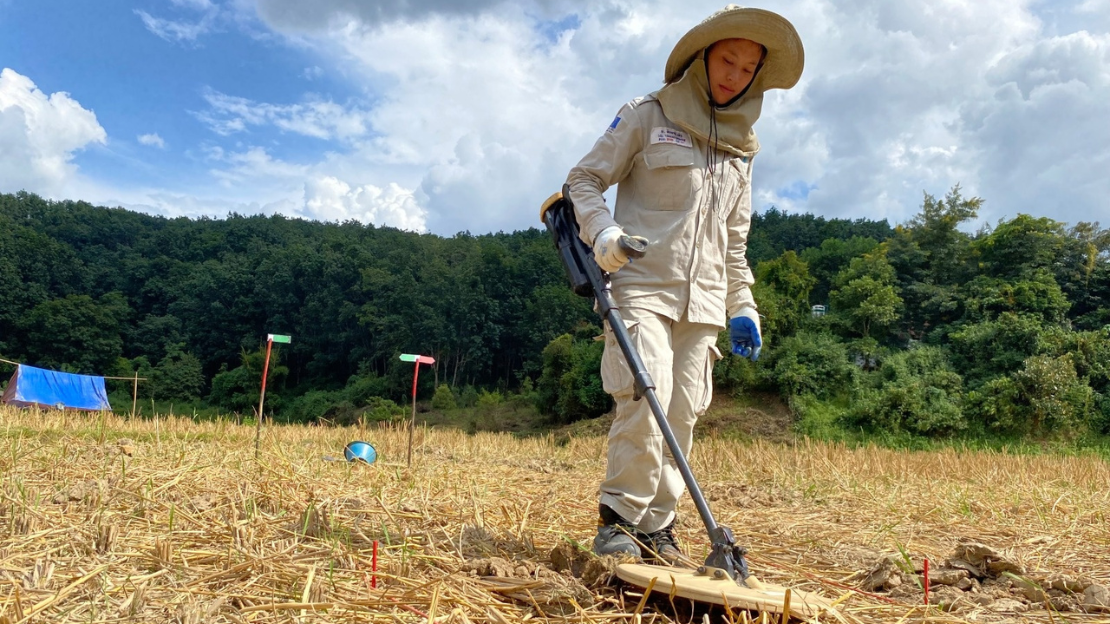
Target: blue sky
<point>447,116</point>
<point>138,83</point>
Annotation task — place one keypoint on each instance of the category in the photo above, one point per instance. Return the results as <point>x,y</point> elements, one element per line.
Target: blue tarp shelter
<point>38,387</point>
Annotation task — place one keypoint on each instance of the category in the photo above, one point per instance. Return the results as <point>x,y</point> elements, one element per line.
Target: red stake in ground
<point>417,360</point>
<point>374,567</point>
<point>926,581</point>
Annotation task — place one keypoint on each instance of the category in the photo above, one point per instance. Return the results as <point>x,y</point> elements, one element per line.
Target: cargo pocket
<point>712,354</point>
<point>670,177</point>
<point>616,376</point>
<point>736,180</point>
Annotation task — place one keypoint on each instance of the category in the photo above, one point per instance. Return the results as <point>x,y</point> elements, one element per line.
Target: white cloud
<point>176,31</point>
<point>254,164</point>
<point>173,204</point>
<point>1043,132</point>
<point>484,116</point>
<point>152,140</point>
<point>39,134</point>
<point>330,199</point>
<point>474,110</point>
<point>196,5</point>
<point>1006,97</point>
<point>317,118</point>
<point>322,191</point>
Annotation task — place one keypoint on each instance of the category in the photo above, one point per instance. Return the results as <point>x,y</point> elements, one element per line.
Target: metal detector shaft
<point>645,388</point>
<point>588,279</point>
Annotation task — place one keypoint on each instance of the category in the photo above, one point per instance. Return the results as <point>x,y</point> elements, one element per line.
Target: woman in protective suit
<point>682,158</point>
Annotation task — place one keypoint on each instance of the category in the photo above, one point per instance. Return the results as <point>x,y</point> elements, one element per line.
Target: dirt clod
<point>204,502</point>
<point>555,594</point>
<point>594,571</point>
<point>77,492</point>
<point>126,446</point>
<point>1096,598</point>
<point>949,598</point>
<point>1064,602</point>
<point>1009,605</point>
<point>884,575</point>
<point>1075,585</point>
<point>982,561</point>
<point>568,557</point>
<point>497,567</point>
<point>949,576</point>
<point>967,585</point>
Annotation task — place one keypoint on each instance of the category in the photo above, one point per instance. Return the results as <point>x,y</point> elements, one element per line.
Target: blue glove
<point>743,331</point>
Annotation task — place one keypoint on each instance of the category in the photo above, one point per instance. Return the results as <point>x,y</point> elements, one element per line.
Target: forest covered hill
<point>929,330</point>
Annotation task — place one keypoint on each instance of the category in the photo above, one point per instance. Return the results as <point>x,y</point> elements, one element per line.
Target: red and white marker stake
<point>417,360</point>
<point>270,340</point>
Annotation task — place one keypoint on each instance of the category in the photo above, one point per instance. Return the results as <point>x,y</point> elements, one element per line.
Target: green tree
<point>444,398</point>
<point>1021,246</point>
<point>178,376</point>
<point>982,351</point>
<point>915,391</point>
<point>811,363</point>
<point>1036,295</point>
<point>931,257</point>
<point>865,298</point>
<point>239,389</point>
<point>782,289</point>
<point>1086,281</point>
<point>235,390</point>
<point>830,258</point>
<point>1055,399</point>
<point>570,387</point>
<point>936,232</point>
<point>1045,398</point>
<point>76,333</point>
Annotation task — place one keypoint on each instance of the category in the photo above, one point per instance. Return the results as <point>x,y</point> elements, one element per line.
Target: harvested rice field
<point>103,519</point>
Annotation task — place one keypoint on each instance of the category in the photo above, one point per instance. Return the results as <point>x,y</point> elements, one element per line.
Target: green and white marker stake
<point>270,340</point>
<point>417,360</point>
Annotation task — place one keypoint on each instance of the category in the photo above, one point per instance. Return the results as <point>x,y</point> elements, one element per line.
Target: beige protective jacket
<point>696,220</point>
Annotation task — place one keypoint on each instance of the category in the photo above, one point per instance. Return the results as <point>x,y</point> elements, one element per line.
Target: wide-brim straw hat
<point>785,57</point>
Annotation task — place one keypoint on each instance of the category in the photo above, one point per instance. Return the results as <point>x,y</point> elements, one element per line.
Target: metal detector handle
<point>633,246</point>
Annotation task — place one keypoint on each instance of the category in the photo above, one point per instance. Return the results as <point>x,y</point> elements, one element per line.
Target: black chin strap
<point>710,179</point>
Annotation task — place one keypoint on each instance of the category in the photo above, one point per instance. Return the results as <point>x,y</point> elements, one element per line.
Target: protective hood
<point>686,103</point>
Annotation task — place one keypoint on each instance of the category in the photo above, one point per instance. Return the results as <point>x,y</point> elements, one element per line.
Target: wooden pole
<point>262,398</point>
<point>135,395</point>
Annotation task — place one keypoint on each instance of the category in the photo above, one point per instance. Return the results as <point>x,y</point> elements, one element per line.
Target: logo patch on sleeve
<point>670,136</point>
<point>613,126</point>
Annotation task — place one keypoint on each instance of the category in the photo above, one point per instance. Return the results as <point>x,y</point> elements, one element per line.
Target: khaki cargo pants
<point>642,482</point>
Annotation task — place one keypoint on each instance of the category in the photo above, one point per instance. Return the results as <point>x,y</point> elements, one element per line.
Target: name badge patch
<point>670,136</point>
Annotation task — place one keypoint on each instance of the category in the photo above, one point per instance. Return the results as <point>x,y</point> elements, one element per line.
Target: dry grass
<point>190,528</point>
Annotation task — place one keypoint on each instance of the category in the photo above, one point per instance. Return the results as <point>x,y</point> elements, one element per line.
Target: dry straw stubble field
<point>103,519</point>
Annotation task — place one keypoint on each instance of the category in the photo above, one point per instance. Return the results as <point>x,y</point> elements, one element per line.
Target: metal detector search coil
<point>360,451</point>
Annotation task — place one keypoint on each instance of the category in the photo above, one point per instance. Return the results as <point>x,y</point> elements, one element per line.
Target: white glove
<point>607,250</point>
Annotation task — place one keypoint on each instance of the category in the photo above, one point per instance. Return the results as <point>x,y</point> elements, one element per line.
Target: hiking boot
<point>665,545</point>
<point>615,534</point>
